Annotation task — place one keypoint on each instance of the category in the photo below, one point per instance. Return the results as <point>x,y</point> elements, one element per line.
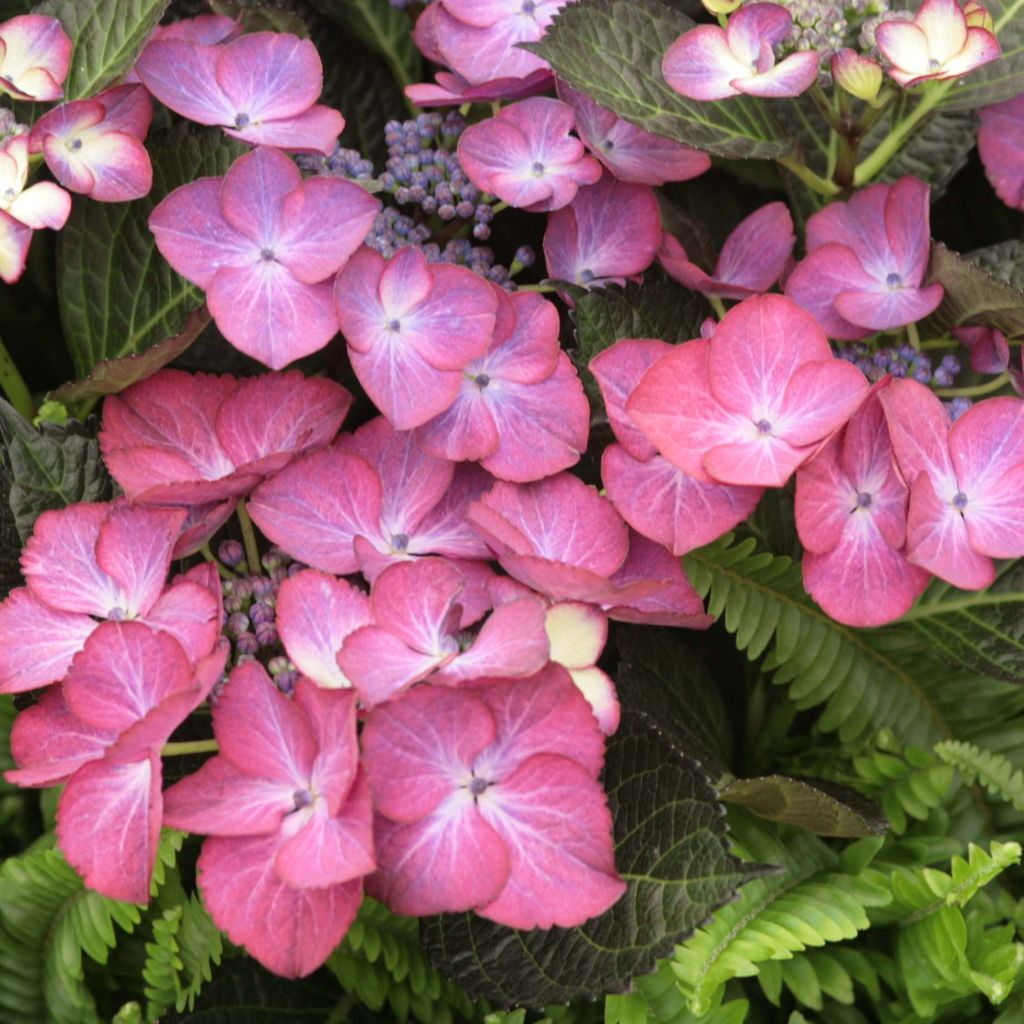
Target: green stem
<point>544,289</point>
<point>498,207</point>
<point>825,108</point>
<point>14,385</point>
<point>939,343</point>
<point>913,337</point>
<point>225,572</point>
<point>189,747</point>
<point>252,551</point>
<point>977,390</point>
<point>813,181</point>
<point>717,305</point>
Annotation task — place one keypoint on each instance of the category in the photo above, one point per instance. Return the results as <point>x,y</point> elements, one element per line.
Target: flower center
<point>399,542</point>
<point>241,120</point>
<point>863,500</point>
<point>74,145</point>
<point>586,276</point>
<point>481,380</point>
<point>478,786</point>
<point>395,326</point>
<point>933,64</point>
<point>301,798</point>
<point>959,501</point>
<point>763,427</point>
<point>529,6</point>
<point>537,169</point>
<point>894,281</point>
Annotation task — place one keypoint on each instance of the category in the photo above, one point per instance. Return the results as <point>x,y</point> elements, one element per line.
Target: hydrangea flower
<point>609,232</point>
<point>411,327</point>
<point>966,481</point>
<point>751,404</point>
<point>630,153</point>
<point>189,439</point>
<point>866,262</point>
<point>712,63</point>
<point>526,156</point>
<point>451,90</point>
<point>1001,148</point>
<point>752,259</point>
<point>204,29</point>
<point>95,146</point>
<point>23,210</point>
<point>35,53</point>
<point>487,799</point>
<point>988,348</point>
<point>851,514</point>
<point>938,44</point>
<point>520,411</point>
<point>656,498</point>
<point>261,88</point>
<point>858,74</point>
<point>89,563</point>
<point>129,688</point>
<point>264,245</point>
<point>287,812</point>
<point>374,498</point>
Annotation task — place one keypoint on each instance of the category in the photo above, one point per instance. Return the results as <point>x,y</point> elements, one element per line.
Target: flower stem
<point>977,390</point>
<point>252,551</point>
<point>717,305</point>
<point>225,572</point>
<point>813,181</point>
<point>189,747</point>
<point>542,288</point>
<point>14,385</point>
<point>939,343</point>
<point>498,207</point>
<point>913,337</point>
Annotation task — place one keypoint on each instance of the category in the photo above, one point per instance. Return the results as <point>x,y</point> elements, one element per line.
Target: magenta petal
<point>701,66</point>
<point>14,243</point>
<point>555,822</point>
<point>987,346</point>
<point>907,228</point>
<point>314,131</point>
<point>108,826</point>
<point>919,428</point>
<point>183,77</point>
<point>190,614</point>
<point>483,54</point>
<point>995,520</point>
<point>35,58</point>
<point>818,279</point>
<point>39,641</point>
<point>332,717</point>
<point>790,77</point>
<point>268,75</point>
<point>757,251</point>
<point>380,665</point>
<point>820,398</point>
<point>880,310</point>
<point>290,931</point>
<point>253,191</point>
<point>672,256</point>
<point>315,612</point>
<point>1001,147</point>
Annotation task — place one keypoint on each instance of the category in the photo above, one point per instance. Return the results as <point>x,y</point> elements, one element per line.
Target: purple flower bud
<point>243,588</point>
<point>231,553</point>
<point>278,664</point>
<point>233,604</point>
<point>247,644</point>
<point>261,612</point>
<point>262,586</point>
<point>266,634</point>
<point>286,681</point>
<point>238,623</point>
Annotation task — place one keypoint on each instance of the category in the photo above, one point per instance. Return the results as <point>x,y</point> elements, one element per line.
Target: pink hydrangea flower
<point>35,53</point>
<point>204,29</point>
<point>988,348</point>
<point>451,90</point>
<point>95,146</point>
<point>264,245</point>
<point>752,259</point>
<point>866,262</point>
<point>189,439</point>
<point>374,498</point>
<point>521,411</point>
<point>261,88</point>
<point>851,514</point>
<point>609,232</point>
<point>129,688</point>
<point>938,44</point>
<point>712,63</point>
<point>487,799</point>
<point>526,157</point>
<point>1001,147</point>
<point>411,327</point>
<point>561,538</point>
<point>415,635</point>
<point>88,563</point>
<point>750,404</point>
<point>657,499</point>
<point>288,814</point>
<point>966,481</point>
<point>630,153</point>
<point>23,210</point>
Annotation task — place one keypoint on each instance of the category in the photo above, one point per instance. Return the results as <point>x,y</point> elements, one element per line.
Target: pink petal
<point>701,66</point>
<point>817,280</point>
<point>418,750</point>
<point>414,601</point>
<point>790,77</point>
<point>380,665</point>
<point>39,641</point>
<point>190,614</point>
<point>465,430</point>
<point>919,427</point>
<point>35,57</point>
<point>755,24</point>
<point>484,54</point>
<point>112,167</point>
<point>290,931</point>
<point>128,109</point>
<point>755,462</point>
<point>446,529</point>
<point>108,826</point>
<point>757,251</point>
<point>820,398</point>
<point>907,228</point>
<point>1001,148</point>
<point>556,580</point>
<point>995,520</point>
<point>332,717</point>
<point>315,612</point>
<point>253,193</point>
<point>558,831</point>
<point>672,256</point>
<point>14,242</point>
<point>599,690</point>
<point>883,310</point>
<point>314,131</point>
<point>987,346</point>
<point>182,76</point>
<point>44,205</point>
<point>316,505</point>
<point>669,507</point>
<point>261,731</point>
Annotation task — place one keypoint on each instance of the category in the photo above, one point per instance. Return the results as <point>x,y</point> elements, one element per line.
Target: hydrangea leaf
<point>934,153</point>
<point>973,295</point>
<point>1003,78</point>
<point>815,805</point>
<point>51,468</point>
<point>107,37</point>
<point>672,851</point>
<point>612,51</point>
<point>117,295</point>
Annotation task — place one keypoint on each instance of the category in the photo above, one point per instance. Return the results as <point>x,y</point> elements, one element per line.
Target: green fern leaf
<point>811,903</point>
<point>865,680</point>
<point>993,771</point>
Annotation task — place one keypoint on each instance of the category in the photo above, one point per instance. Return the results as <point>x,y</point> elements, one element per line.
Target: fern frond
<point>817,974</point>
<point>865,680</point>
<point>993,771</point>
<point>811,903</point>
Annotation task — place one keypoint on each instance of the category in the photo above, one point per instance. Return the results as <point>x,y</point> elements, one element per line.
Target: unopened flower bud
<point>266,634</point>
<point>238,623</point>
<point>717,7</point>
<point>247,644</point>
<point>278,664</point>
<point>858,75</point>
<point>260,613</point>
<point>978,17</point>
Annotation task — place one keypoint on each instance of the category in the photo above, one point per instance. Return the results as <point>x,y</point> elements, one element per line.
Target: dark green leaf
<point>1003,78</point>
<point>49,469</point>
<point>612,50</point>
<point>118,296</point>
<point>385,29</point>
<point>815,805</point>
<point>979,631</point>
<point>10,541</point>
<point>935,152</point>
<point>972,296</point>
<point>107,37</point>
<point>671,849</point>
<point>242,992</point>
<point>1004,261</point>
<point>662,675</point>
